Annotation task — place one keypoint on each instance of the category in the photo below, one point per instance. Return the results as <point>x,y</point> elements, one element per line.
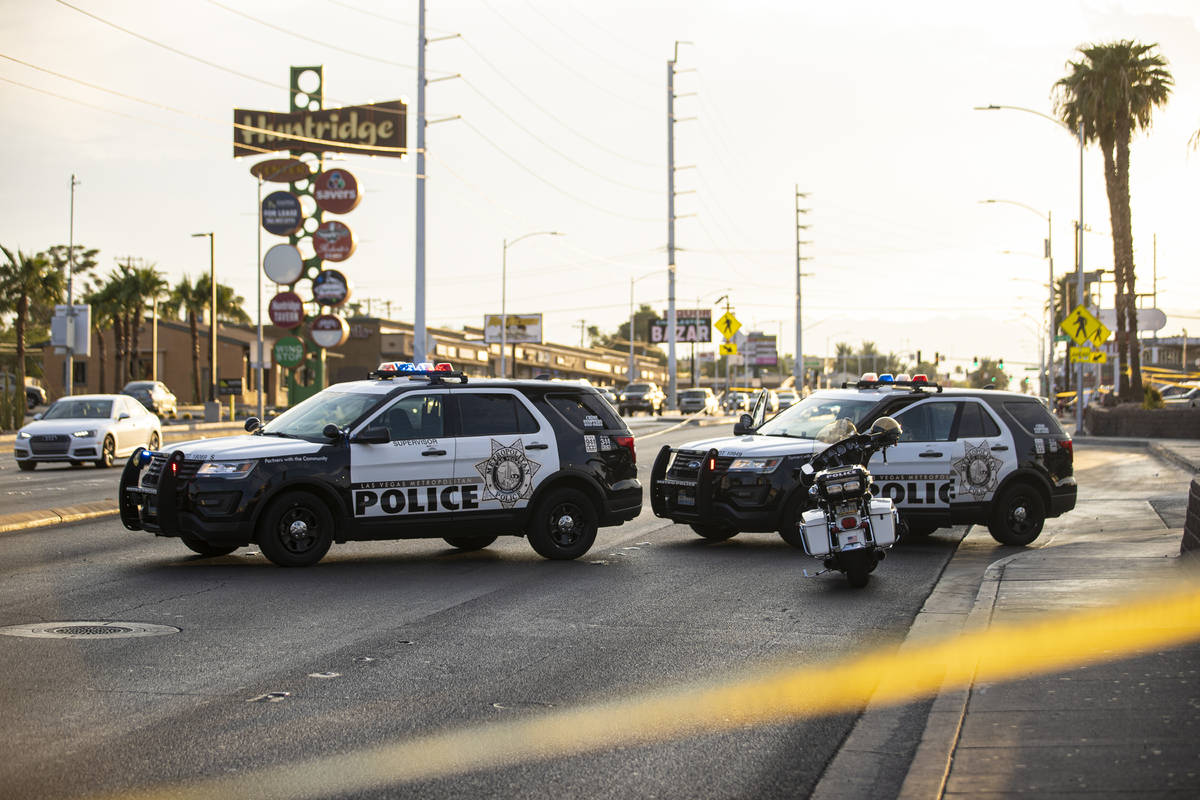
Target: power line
<point>565,65</point>
<point>529,99</point>
<point>551,147</point>
<point>552,185</point>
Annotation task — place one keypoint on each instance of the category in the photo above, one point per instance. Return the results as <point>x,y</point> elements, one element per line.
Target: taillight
<point>1069,446</point>
<point>848,523</point>
<point>627,443</point>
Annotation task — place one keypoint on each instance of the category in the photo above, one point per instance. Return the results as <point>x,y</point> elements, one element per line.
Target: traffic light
<point>975,361</point>
<point>1001,362</point>
<point>918,356</point>
<point>937,358</point>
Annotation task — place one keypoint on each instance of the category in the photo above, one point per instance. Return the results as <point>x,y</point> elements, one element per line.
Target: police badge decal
<point>978,470</point>
<point>507,474</point>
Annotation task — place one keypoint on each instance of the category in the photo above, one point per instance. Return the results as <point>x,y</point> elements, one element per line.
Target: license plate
<point>685,498</point>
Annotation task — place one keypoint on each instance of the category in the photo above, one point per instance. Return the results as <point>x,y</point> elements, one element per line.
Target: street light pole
<point>1048,362</point>
<point>212,322</point>
<point>504,295</point>
<point>1078,134</point>
<point>258,279</point>
<point>70,378</point>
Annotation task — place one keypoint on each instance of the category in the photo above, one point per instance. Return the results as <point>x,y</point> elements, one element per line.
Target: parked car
<point>694,401</point>
<point>788,398</point>
<point>154,395</point>
<point>609,394</point>
<point>637,397</point>
<point>34,395</point>
<point>736,401</point>
<point>1188,398</point>
<point>89,427</point>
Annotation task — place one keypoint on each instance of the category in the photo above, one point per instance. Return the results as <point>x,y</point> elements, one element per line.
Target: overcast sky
<point>866,106</point>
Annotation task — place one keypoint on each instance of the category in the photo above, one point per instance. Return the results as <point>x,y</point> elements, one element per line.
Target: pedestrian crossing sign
<point>728,325</point>
<point>1086,355</point>
<point>1082,326</point>
<point>728,348</point>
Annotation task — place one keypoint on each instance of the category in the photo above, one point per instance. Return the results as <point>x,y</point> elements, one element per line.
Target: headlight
<point>852,486</point>
<point>833,489</point>
<point>225,469</point>
<point>84,434</point>
<point>622,397</point>
<point>755,464</point>
<point>23,435</point>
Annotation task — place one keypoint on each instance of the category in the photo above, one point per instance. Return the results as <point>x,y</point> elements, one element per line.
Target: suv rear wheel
<point>1018,515</point>
<point>564,524</point>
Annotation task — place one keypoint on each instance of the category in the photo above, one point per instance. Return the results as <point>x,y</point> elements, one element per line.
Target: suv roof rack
<point>918,387</point>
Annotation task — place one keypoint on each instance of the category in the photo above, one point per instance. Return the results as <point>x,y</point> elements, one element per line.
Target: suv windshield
<point>805,419</point>
<point>637,387</point>
<point>310,417</point>
<point>692,393</point>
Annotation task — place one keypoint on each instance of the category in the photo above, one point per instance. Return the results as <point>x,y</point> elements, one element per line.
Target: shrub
<point>1151,397</point>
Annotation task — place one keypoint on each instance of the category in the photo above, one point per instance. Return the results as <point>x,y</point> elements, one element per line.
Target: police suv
<point>965,456</point>
<point>414,452</point>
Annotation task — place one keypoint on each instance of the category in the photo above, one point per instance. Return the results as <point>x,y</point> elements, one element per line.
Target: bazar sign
<point>377,129</point>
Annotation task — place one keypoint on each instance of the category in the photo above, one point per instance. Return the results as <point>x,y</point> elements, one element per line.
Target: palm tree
<point>191,300</point>
<point>26,281</point>
<point>147,284</point>
<point>105,313</point>
<point>1112,92</point>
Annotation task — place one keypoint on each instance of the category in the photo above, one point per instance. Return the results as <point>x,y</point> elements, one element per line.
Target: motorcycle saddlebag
<point>815,530</point>
<point>883,522</point>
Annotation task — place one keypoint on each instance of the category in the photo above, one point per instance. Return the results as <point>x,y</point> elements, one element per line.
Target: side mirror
<point>331,431</point>
<point>377,434</point>
<point>253,424</point>
<point>744,425</point>
<point>37,415</point>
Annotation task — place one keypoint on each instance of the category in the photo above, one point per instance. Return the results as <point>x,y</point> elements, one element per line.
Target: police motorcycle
<point>848,528</point>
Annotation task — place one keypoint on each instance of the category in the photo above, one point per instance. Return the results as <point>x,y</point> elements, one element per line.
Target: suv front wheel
<point>296,530</point>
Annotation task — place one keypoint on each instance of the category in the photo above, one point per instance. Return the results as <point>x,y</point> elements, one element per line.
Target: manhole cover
<point>87,629</point>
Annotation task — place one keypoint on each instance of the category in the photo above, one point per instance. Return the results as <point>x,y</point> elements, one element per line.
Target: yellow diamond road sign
<point>728,348</point>
<point>728,326</point>
<point>1086,355</point>
<point>1082,326</point>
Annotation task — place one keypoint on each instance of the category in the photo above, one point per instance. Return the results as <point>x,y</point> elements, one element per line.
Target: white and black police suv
<point>965,456</point>
<point>413,452</point>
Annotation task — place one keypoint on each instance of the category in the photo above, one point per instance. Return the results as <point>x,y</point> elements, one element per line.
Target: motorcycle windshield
<point>836,431</point>
<point>809,418</point>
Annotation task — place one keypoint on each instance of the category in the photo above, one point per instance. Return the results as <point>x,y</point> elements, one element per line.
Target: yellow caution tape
<point>1001,652</point>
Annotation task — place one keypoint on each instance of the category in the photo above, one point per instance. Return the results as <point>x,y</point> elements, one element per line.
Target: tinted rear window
<point>1033,417</point>
<point>585,411</point>
<point>976,422</point>
<point>493,414</point>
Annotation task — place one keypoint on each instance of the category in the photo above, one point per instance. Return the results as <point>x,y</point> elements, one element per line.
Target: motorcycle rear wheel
<point>857,565</point>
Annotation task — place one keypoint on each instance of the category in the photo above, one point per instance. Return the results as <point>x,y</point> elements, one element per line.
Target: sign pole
<point>258,275</point>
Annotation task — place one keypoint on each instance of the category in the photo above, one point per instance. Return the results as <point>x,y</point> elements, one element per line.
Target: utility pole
<point>69,380</point>
<point>419,305</point>
<point>798,363</point>
<point>582,325</point>
<point>671,320</point>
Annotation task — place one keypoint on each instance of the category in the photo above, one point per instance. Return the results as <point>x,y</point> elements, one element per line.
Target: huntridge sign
<point>371,130</point>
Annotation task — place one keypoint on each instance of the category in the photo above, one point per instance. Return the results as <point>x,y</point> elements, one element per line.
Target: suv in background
<point>34,395</point>
<point>966,456</point>
<point>693,401</point>
<point>154,395</point>
<point>787,398</point>
<point>637,397</point>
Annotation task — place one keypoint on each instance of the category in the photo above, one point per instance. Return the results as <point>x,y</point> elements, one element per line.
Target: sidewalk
<point>1128,728</point>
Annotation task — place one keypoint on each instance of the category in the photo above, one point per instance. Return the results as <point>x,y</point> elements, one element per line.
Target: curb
<point>25,520</point>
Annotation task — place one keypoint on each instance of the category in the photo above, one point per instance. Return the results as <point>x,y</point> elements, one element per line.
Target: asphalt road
<point>384,641</point>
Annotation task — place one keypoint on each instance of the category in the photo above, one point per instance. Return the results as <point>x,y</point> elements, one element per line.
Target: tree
<point>1112,92</point>
<point>643,318</point>
<point>105,314</point>
<point>26,283</point>
<point>192,300</point>
<point>987,374</point>
<point>146,285</point>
